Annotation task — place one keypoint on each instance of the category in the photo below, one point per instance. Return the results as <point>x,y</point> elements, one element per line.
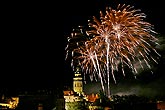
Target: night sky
<point>146,83</point>
<point>34,38</point>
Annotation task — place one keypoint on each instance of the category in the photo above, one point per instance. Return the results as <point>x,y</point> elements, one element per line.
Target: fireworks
<point>119,37</point>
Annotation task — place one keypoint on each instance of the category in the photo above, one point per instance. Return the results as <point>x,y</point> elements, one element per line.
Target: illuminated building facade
<point>77,81</point>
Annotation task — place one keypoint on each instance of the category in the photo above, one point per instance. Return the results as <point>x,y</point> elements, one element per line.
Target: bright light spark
<point>118,37</point>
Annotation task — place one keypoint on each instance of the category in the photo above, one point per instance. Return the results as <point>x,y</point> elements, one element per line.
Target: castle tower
<point>77,81</point>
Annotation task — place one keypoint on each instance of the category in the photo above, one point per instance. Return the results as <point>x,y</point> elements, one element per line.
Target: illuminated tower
<point>77,81</point>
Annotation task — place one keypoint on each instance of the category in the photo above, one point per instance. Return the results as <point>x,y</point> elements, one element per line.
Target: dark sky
<point>34,34</point>
<point>31,45</point>
<point>85,9</point>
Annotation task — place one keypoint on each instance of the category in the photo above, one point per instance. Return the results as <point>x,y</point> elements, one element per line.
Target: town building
<point>76,99</point>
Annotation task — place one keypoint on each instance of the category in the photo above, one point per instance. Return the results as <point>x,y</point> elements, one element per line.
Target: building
<point>75,98</point>
<point>9,102</point>
<point>78,81</point>
<point>42,99</point>
<point>161,105</point>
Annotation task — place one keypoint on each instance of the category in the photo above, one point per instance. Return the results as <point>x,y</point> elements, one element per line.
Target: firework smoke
<point>117,39</point>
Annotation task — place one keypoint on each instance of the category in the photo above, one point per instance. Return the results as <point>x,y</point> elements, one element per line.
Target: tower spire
<point>78,81</point>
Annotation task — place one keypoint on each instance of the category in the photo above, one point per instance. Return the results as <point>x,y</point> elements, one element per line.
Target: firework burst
<point>118,37</point>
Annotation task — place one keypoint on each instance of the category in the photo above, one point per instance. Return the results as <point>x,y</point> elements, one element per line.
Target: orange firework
<point>119,37</point>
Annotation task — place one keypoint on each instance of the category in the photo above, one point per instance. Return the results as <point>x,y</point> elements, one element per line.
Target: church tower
<point>77,81</point>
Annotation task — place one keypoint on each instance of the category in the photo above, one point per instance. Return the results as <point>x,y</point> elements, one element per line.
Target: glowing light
<point>119,37</point>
